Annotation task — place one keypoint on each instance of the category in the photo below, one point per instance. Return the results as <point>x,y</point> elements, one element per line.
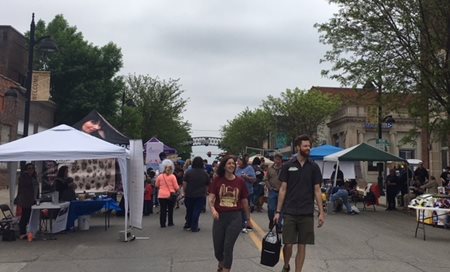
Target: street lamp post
<point>47,45</point>
<point>380,137</point>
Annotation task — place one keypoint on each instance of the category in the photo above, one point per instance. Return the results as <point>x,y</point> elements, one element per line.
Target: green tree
<point>299,112</point>
<point>249,128</point>
<point>401,46</point>
<point>83,75</point>
<point>160,107</point>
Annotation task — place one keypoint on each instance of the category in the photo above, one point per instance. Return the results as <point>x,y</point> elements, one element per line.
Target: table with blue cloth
<point>86,207</point>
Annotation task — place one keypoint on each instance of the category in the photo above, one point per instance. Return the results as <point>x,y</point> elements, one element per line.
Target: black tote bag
<point>271,246</point>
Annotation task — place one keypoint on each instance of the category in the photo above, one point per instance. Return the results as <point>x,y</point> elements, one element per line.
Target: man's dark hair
<point>256,161</point>
<point>244,159</point>
<point>278,155</point>
<point>301,138</point>
<point>223,162</point>
<point>162,156</point>
<point>197,162</point>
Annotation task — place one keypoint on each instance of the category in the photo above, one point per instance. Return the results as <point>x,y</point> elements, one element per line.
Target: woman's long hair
<point>62,171</point>
<point>223,162</point>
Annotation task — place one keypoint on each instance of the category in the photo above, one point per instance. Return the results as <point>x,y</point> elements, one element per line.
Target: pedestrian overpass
<point>205,140</point>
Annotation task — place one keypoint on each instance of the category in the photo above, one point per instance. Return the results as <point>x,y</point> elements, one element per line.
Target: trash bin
<point>83,222</point>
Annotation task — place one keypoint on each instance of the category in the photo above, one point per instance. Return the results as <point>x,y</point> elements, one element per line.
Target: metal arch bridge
<point>214,141</point>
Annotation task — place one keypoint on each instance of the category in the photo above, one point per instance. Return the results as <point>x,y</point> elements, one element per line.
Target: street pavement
<point>371,241</point>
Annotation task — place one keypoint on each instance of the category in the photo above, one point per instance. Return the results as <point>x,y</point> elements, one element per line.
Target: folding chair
<point>8,220</point>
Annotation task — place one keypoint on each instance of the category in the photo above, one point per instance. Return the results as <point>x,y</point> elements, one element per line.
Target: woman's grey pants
<point>225,233</point>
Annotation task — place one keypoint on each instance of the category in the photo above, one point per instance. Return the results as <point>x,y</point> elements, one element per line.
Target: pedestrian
<point>27,193</point>
<point>422,173</point>
<point>445,177</point>
<point>431,187</point>
<point>247,173</point>
<point>273,184</point>
<point>339,177</point>
<point>300,183</point>
<point>403,182</point>
<point>340,194</point>
<point>228,198</point>
<point>391,189</point>
<point>258,185</point>
<point>168,185</point>
<point>148,192</point>
<point>195,186</point>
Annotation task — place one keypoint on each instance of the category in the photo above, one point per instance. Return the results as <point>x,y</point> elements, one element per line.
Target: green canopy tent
<point>361,152</point>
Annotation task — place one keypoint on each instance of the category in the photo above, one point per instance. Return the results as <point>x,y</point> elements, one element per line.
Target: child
<point>148,194</point>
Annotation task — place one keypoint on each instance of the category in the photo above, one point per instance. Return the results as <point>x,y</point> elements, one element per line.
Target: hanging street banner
<point>40,86</point>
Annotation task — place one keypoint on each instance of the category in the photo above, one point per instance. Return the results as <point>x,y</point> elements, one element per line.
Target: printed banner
<point>136,183</point>
<point>40,86</point>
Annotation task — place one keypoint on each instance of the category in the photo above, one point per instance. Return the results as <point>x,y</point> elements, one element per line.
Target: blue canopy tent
<point>317,153</point>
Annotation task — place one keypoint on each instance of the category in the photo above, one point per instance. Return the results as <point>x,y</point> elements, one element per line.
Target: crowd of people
<point>234,188</point>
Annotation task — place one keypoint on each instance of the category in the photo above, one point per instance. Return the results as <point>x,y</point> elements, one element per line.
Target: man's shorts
<point>298,229</point>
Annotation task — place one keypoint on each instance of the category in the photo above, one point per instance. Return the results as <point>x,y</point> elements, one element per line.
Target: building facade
<point>13,70</point>
<point>357,122</point>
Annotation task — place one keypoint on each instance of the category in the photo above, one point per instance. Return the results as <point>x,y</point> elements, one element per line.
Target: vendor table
<point>421,216</point>
<point>57,216</point>
<point>87,207</point>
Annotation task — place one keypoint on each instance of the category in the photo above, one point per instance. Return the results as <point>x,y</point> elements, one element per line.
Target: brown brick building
<point>13,70</point>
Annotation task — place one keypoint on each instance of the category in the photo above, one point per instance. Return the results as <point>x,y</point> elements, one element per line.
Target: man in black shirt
<point>445,177</point>
<point>300,183</point>
<point>421,173</point>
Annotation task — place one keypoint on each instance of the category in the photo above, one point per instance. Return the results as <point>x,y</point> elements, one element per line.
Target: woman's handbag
<point>173,195</point>
<point>271,246</point>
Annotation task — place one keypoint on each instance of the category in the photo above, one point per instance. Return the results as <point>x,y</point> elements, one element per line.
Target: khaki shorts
<point>298,229</point>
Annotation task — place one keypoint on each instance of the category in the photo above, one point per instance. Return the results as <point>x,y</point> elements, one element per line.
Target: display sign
<point>136,183</point>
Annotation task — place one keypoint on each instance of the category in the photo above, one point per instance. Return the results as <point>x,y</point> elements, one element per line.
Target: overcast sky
<point>228,54</point>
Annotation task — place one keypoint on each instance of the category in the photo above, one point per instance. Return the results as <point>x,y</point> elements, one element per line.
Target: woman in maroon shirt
<point>227,199</point>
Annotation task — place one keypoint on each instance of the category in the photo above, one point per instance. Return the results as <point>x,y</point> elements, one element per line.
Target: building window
<point>444,154</point>
<point>407,154</point>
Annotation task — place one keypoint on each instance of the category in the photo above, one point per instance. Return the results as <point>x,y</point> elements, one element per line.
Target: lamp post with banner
<point>46,44</point>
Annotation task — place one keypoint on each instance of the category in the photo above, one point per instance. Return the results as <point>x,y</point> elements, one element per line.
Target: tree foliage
<point>248,128</point>
<point>158,110</point>
<point>83,75</point>
<point>295,112</point>
<point>401,46</point>
<point>298,112</point>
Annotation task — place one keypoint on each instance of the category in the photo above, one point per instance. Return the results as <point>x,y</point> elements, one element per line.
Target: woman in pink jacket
<point>167,184</point>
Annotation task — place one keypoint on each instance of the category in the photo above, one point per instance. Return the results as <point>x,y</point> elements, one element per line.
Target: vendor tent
<point>153,148</point>
<point>64,143</point>
<point>361,152</point>
<point>317,153</point>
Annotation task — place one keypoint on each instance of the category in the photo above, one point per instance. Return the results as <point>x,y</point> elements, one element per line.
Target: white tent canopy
<point>65,143</point>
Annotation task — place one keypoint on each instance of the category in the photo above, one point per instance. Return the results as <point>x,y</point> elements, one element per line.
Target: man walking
<point>273,185</point>
<point>300,184</point>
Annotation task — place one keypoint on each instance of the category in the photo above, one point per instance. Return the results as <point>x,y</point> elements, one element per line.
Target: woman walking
<point>227,199</point>
<point>27,193</point>
<point>195,185</point>
<point>167,185</point>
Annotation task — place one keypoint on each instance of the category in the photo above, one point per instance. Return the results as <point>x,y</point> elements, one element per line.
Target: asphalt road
<point>371,241</point>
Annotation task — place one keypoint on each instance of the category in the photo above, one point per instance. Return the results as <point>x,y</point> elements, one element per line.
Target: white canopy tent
<point>63,143</point>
